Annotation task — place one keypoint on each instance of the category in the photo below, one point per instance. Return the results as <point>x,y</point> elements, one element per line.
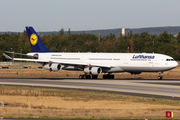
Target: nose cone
<point>171,65</point>
<point>175,64</point>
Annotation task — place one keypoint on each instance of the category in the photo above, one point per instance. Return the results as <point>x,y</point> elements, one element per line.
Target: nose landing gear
<point>160,76</point>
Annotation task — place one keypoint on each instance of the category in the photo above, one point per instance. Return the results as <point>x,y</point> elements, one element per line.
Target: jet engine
<point>93,70</point>
<point>53,66</point>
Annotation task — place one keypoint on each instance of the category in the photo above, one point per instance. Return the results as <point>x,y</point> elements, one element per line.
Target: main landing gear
<point>105,76</point>
<point>160,76</point>
<point>108,76</point>
<point>88,76</point>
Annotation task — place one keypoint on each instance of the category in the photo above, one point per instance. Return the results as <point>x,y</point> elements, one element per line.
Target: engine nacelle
<point>96,70</point>
<point>87,70</point>
<point>53,67</point>
<point>47,67</point>
<point>93,70</point>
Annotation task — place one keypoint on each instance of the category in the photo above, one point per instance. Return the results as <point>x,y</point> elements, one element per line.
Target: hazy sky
<point>52,15</point>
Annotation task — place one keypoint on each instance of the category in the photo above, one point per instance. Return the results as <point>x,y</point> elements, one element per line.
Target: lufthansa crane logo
<point>33,39</point>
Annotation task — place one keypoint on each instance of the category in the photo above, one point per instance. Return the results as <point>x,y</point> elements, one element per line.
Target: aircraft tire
<point>160,77</point>
<point>94,76</point>
<point>111,76</point>
<point>108,76</point>
<point>88,77</point>
<point>81,76</point>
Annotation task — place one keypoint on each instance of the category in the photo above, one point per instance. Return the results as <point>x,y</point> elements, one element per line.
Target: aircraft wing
<point>66,63</point>
<point>61,62</point>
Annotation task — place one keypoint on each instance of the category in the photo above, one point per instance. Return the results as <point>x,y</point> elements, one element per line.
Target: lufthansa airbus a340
<point>94,64</point>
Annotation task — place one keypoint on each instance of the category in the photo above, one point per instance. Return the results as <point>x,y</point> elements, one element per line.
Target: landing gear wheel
<point>104,76</point>
<point>88,77</point>
<point>81,76</point>
<point>111,76</point>
<point>84,77</point>
<point>94,76</point>
<point>160,77</point>
<point>108,76</point>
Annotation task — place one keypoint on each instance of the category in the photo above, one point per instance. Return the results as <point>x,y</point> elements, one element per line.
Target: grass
<point>44,103</point>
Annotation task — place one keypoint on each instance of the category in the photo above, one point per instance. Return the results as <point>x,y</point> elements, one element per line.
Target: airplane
<point>94,64</point>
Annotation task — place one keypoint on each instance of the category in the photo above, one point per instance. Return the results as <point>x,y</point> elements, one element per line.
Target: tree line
<point>164,43</point>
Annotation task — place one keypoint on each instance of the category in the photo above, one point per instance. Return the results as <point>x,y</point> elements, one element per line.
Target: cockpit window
<point>170,60</point>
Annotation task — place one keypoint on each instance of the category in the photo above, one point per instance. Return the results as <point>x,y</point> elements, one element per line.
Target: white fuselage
<point>114,62</point>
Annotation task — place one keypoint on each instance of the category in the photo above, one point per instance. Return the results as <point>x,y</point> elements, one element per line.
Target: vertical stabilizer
<point>36,43</point>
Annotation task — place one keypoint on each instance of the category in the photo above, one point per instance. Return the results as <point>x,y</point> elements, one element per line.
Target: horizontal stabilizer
<point>15,53</point>
<point>31,56</point>
<point>7,57</point>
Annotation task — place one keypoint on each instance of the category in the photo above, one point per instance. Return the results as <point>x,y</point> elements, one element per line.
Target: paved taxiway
<point>143,87</point>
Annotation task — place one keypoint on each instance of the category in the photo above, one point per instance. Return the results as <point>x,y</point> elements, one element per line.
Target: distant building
<point>123,31</point>
<point>176,35</point>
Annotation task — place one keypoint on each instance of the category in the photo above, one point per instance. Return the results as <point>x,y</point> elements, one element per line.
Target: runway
<point>167,88</point>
